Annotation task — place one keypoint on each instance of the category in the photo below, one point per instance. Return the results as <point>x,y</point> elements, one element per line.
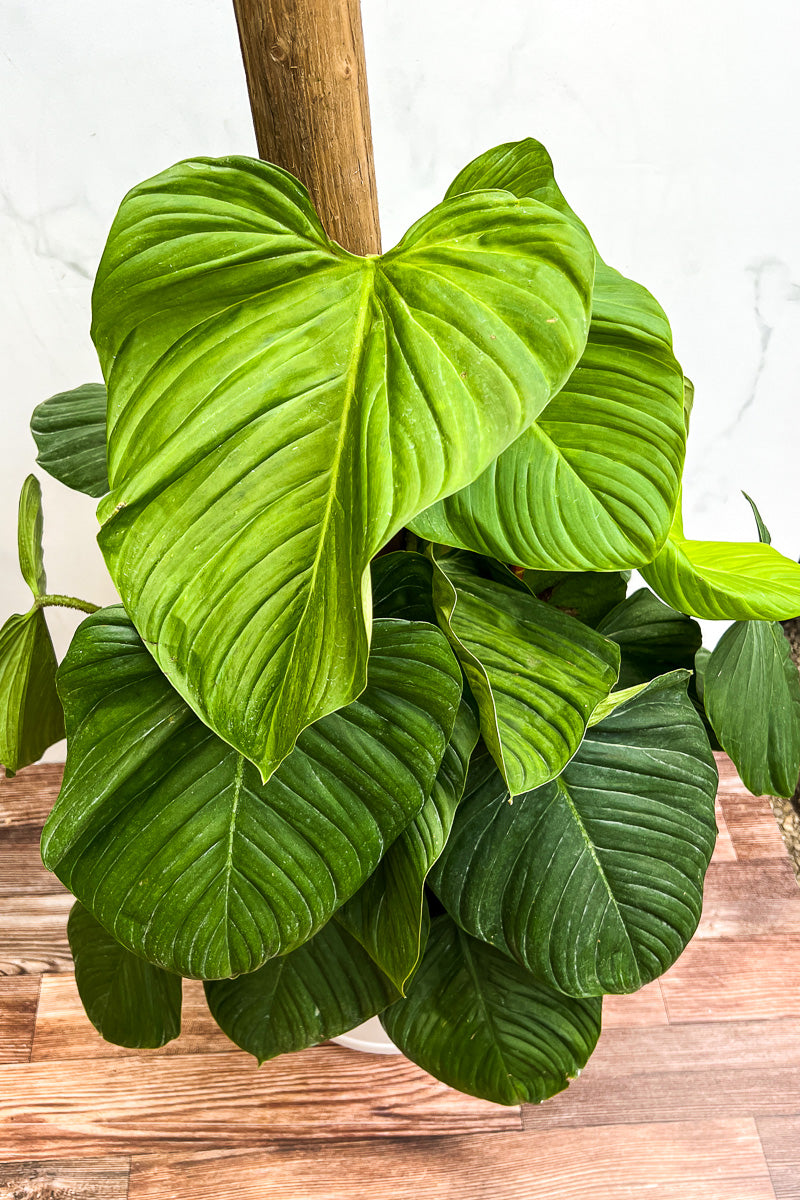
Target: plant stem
<point>66,602</point>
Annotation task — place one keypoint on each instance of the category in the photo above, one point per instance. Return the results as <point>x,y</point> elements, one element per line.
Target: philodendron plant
<point>375,727</point>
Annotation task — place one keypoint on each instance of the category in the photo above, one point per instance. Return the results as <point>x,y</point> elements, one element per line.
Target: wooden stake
<point>304,62</point>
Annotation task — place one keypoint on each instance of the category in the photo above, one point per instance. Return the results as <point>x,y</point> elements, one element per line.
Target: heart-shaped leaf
<point>70,433</point>
<point>322,989</point>
<point>535,673</point>
<point>734,581</point>
<point>751,693</point>
<point>593,483</point>
<point>483,1024</point>
<point>652,637</point>
<point>129,1001</point>
<point>386,914</point>
<point>279,408</point>
<point>171,839</point>
<point>594,881</point>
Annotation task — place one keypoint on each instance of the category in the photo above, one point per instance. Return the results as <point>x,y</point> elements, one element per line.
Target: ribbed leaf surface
<point>31,718</point>
<point>751,693</point>
<point>279,408</point>
<point>481,1023</point>
<point>536,673</point>
<point>129,1001</point>
<point>70,433</point>
<point>593,483</point>
<point>30,526</point>
<point>322,989</point>
<point>652,638</point>
<point>171,839</point>
<point>595,880</point>
<point>386,915</point>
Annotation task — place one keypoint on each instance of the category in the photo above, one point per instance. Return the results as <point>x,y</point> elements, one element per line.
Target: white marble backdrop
<point>672,126</point>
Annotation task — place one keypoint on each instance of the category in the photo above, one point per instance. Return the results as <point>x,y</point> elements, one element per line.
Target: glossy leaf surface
<point>279,408</point>
<point>652,637</point>
<point>30,526</point>
<point>31,718</point>
<point>595,880</point>
<point>593,483</point>
<point>402,586</point>
<point>322,989</point>
<point>386,914</point>
<point>176,845</point>
<point>535,673</point>
<point>129,1001</point>
<point>751,693</point>
<point>483,1024</point>
<point>70,433</point>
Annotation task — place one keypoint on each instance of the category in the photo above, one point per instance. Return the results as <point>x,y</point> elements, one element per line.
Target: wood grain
<point>22,872</point>
<point>28,797</point>
<point>323,1094</point>
<point>751,834</point>
<point>724,851</point>
<point>780,1137</point>
<point>33,934</point>
<point>736,979</point>
<point>19,996</point>
<point>307,80</point>
<point>750,898</point>
<point>63,1031</point>
<point>59,1179</point>
<point>645,1007</point>
<point>712,1160</point>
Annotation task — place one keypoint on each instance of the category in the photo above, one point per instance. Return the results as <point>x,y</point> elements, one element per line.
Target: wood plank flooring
<point>693,1092</point>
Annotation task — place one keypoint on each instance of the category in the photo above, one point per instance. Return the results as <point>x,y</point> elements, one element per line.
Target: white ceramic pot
<point>370,1037</point>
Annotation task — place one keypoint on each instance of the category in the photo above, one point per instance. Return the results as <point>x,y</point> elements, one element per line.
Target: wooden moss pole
<point>304,62</point>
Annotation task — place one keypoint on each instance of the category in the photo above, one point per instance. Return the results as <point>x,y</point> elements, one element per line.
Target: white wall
<point>673,129</point>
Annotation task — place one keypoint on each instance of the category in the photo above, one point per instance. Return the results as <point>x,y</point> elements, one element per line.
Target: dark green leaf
<point>176,845</point>
<point>652,638</point>
<point>402,586</point>
<point>30,526</point>
<point>70,433</point>
<point>31,718</point>
<point>279,409</point>
<point>587,596</point>
<point>322,989</point>
<point>535,673</point>
<point>595,880</point>
<point>481,1023</point>
<point>386,914</point>
<point>752,697</point>
<point>593,482</point>
<point>129,1001</point>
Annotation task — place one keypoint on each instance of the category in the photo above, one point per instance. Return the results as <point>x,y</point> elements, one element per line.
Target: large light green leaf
<point>279,408</point>
<point>129,1001</point>
<point>70,433</point>
<point>593,483</point>
<point>536,673</point>
<point>751,693</point>
<point>735,581</point>
<point>171,839</point>
<point>322,989</point>
<point>386,915</point>
<point>481,1023</point>
<point>31,718</point>
<point>652,638</point>
<point>595,880</point>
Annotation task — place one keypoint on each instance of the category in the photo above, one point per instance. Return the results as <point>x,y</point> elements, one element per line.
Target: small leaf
<point>31,717</point>
<point>70,432</point>
<point>595,881</point>
<point>535,673</point>
<point>586,595</point>
<point>653,638</point>
<point>725,581</point>
<point>325,987</point>
<point>174,843</point>
<point>483,1024</point>
<point>752,697</point>
<point>386,914</point>
<point>30,527</point>
<point>764,534</point>
<point>129,1001</point>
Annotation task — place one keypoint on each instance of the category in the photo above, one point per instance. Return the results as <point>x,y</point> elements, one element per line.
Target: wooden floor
<point>692,1094</point>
